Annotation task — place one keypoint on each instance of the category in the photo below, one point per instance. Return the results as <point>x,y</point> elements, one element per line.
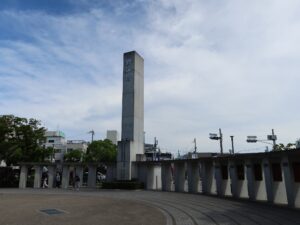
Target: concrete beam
<point>65,177</point>
<point>218,178</point>
<point>207,177</point>
<point>92,176</point>
<point>166,175</point>
<point>193,177</point>
<point>37,176</point>
<point>179,172</point>
<point>51,176</point>
<point>23,176</point>
<point>233,179</point>
<point>268,180</point>
<point>153,177</point>
<point>79,173</point>
<point>250,180</point>
<point>288,181</point>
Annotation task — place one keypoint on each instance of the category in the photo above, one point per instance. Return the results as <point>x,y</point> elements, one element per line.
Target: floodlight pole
<point>232,146</point>
<point>221,141</point>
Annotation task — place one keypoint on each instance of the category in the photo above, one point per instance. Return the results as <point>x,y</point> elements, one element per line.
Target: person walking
<point>77,182</point>
<point>57,180</point>
<point>45,183</point>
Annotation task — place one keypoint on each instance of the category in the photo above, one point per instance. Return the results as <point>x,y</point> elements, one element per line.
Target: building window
<point>257,172</point>
<point>296,168</point>
<point>50,141</point>
<point>276,170</point>
<point>240,172</point>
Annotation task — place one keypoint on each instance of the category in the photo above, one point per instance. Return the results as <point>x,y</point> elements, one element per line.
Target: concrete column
<point>218,178</point>
<point>288,181</point>
<point>37,176</point>
<point>79,173</point>
<point>51,175</point>
<point>92,176</point>
<point>65,177</point>
<point>153,177</point>
<point>250,180</point>
<point>23,176</point>
<point>150,177</point>
<point>166,175</point>
<point>179,172</point>
<point>233,179</point>
<point>268,180</point>
<point>193,177</point>
<point>207,177</point>
<point>111,174</point>
<point>142,174</point>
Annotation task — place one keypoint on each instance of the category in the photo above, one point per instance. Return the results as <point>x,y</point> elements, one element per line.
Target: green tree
<point>101,151</point>
<point>73,156</point>
<point>21,139</point>
<point>278,147</point>
<point>281,147</point>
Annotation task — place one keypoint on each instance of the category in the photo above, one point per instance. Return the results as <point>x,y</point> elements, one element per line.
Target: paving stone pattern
<point>190,209</point>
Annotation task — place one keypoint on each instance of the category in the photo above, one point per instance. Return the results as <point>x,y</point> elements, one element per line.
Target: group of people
<point>75,181</point>
<point>45,180</point>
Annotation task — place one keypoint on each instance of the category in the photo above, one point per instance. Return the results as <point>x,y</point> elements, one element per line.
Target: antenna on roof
<point>195,147</point>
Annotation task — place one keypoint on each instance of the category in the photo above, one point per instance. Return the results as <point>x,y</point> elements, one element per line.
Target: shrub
<point>127,185</point>
<point>9,177</point>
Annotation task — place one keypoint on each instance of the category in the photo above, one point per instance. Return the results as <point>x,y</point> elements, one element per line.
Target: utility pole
<point>195,148</point>
<point>232,146</point>
<point>273,139</point>
<point>214,136</point>
<point>155,147</point>
<point>221,141</point>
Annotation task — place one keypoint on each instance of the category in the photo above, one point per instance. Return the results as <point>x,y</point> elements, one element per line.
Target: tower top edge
<point>133,53</point>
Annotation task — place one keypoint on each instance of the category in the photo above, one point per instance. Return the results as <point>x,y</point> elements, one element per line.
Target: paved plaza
<point>38,206</point>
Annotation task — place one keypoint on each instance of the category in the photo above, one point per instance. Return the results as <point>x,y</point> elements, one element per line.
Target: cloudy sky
<point>228,64</point>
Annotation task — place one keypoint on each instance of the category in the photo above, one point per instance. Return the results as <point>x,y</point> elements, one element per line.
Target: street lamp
<point>214,136</point>
<point>232,146</point>
<point>272,137</point>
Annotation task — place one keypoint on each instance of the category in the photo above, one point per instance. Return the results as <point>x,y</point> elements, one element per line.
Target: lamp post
<point>232,146</point>
<point>214,136</point>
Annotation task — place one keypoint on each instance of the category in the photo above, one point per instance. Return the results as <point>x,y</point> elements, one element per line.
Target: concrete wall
<point>251,178</point>
<point>259,180</point>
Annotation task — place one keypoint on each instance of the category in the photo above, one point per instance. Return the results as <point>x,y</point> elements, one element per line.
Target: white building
<point>56,140</point>
<point>113,136</point>
<point>77,145</point>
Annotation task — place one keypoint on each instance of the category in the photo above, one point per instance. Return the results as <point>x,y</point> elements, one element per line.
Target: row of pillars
<point>78,170</point>
<point>269,180</point>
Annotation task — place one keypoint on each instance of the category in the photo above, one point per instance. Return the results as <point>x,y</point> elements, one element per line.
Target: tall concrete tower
<point>132,138</point>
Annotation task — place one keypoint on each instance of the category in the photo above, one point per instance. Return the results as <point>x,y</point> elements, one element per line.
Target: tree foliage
<point>281,147</point>
<point>21,139</point>
<point>101,151</point>
<point>73,156</point>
